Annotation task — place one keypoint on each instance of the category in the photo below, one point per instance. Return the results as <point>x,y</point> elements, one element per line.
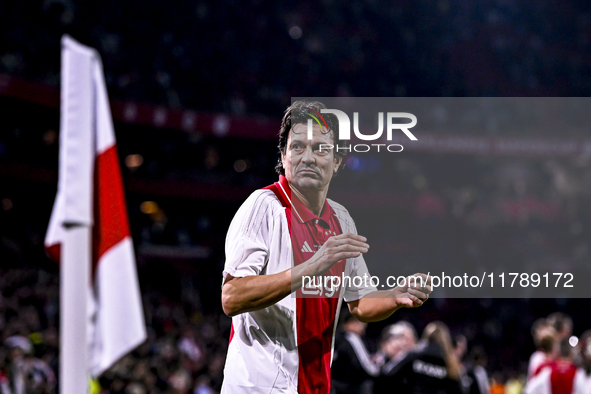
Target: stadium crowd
<point>253,57</point>
<point>184,352</point>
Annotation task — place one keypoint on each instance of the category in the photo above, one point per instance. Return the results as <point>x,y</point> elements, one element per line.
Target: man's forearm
<point>376,306</point>
<point>379,305</point>
<point>251,293</point>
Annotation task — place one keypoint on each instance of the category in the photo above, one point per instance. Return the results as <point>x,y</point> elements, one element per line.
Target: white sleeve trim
<point>355,267</point>
<point>362,354</point>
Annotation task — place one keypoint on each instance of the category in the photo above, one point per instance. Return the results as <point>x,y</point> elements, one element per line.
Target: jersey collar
<point>303,214</point>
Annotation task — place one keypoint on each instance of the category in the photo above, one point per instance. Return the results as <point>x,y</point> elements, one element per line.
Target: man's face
<point>307,167</point>
<point>393,346</point>
<point>408,340</point>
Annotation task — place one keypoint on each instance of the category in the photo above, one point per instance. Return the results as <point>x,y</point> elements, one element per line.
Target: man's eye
<point>297,147</point>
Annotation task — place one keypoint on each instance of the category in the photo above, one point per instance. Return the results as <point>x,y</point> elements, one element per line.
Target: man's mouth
<point>308,171</point>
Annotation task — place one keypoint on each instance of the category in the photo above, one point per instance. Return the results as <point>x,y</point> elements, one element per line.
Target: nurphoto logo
<point>344,129</point>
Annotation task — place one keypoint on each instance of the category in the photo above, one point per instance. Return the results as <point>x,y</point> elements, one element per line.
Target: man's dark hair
<point>298,112</point>
<point>546,343</point>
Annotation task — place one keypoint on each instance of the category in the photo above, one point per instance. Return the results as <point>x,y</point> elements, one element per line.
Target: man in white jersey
<point>282,233</point>
<point>559,376</point>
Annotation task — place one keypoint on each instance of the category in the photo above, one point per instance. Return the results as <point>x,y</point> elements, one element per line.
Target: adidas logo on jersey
<point>307,248</point>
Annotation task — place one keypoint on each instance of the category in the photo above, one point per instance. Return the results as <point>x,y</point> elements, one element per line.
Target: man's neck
<point>314,201</point>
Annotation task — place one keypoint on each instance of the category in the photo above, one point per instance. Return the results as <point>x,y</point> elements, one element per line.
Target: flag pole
<point>75,266</point>
<point>75,183</point>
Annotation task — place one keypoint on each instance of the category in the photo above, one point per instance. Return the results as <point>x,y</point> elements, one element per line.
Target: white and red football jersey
<point>537,358</point>
<point>287,347</point>
<point>558,377</point>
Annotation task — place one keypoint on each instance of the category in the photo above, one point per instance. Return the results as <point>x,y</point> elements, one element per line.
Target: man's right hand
<point>337,248</point>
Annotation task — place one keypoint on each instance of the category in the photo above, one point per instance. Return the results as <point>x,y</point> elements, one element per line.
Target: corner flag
<point>89,228</point>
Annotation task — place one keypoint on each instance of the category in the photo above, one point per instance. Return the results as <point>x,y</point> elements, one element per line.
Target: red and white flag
<point>90,194</point>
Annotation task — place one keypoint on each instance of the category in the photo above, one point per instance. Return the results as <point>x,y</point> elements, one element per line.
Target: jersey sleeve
<point>248,236</point>
<point>358,288</point>
<point>355,289</point>
<point>540,383</point>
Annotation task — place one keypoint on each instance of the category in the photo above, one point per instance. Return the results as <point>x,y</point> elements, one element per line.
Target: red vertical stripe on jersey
<point>315,326</point>
<point>315,316</point>
<point>562,377</point>
<point>231,333</point>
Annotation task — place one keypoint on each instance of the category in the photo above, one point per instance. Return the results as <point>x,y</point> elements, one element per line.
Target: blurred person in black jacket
<point>396,341</point>
<point>352,367</point>
<point>432,368</point>
<point>478,381</point>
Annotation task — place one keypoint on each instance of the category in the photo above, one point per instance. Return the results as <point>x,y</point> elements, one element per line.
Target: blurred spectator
<point>497,386</point>
<point>562,324</point>
<point>476,372</point>
<point>432,368</point>
<point>515,385</point>
<point>397,340</point>
<point>545,340</point>
<point>583,355</point>
<point>203,385</point>
<point>25,373</point>
<point>18,348</point>
<point>352,367</point>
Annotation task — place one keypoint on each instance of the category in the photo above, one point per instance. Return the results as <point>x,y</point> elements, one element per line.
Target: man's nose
<point>308,155</point>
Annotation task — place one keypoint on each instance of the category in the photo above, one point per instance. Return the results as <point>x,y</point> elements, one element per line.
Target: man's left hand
<point>415,291</point>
